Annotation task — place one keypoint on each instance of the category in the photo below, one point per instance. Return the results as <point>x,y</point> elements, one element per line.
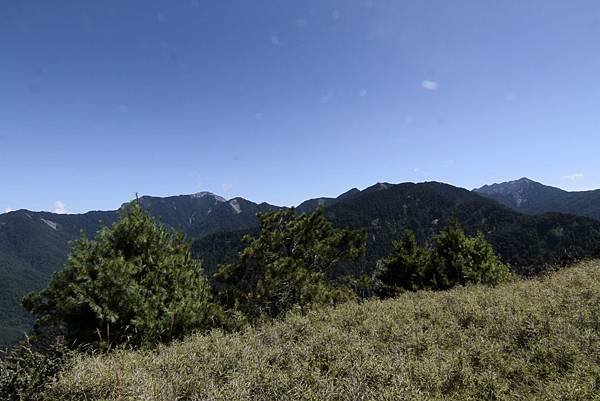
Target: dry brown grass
<point>536,339</point>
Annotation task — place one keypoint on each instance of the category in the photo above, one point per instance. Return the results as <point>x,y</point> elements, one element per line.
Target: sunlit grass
<point>537,339</point>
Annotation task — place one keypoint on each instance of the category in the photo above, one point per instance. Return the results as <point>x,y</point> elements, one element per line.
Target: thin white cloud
<point>363,92</point>
<point>275,41</point>
<point>416,170</point>
<point>574,177</point>
<point>8,210</point>
<point>60,208</point>
<point>430,85</point>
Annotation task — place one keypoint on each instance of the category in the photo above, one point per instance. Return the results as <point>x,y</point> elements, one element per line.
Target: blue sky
<point>281,101</point>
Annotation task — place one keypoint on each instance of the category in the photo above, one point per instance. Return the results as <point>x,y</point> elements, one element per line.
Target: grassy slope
<point>526,340</point>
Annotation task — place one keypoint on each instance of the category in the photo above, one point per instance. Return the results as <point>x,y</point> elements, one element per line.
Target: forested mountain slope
<point>528,243</point>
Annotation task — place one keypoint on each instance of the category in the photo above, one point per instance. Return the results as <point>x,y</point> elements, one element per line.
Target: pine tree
<point>459,259</point>
<point>290,263</point>
<point>405,268</point>
<point>135,283</point>
<point>456,259</point>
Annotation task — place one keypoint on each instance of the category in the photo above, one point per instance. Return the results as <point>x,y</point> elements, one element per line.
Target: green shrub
<point>406,268</point>
<point>289,263</point>
<point>455,259</point>
<point>459,259</point>
<point>26,372</point>
<point>135,283</point>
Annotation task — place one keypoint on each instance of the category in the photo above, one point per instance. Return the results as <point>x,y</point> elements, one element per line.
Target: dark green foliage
<point>405,268</point>
<point>25,372</point>
<point>458,259</point>
<point>135,283</point>
<point>289,264</point>
<point>455,259</point>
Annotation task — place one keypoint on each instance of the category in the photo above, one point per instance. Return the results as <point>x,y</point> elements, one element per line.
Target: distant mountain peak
<point>531,197</point>
<point>349,193</point>
<point>523,180</point>
<point>204,194</point>
<point>380,186</point>
<point>235,205</point>
<point>509,187</point>
<point>515,194</point>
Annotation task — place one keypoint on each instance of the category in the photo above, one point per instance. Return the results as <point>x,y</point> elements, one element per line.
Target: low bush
<point>454,259</point>
<point>25,372</point>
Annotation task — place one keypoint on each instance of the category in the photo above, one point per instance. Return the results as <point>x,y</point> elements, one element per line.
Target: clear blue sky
<point>280,101</point>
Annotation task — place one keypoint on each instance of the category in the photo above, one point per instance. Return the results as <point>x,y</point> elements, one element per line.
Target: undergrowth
<point>535,339</point>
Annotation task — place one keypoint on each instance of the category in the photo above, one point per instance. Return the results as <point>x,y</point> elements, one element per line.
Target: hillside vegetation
<point>34,245</point>
<point>534,339</point>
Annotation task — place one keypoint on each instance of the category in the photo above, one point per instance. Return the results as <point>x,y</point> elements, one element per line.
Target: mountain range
<point>527,196</point>
<point>33,245</point>
<point>528,243</point>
